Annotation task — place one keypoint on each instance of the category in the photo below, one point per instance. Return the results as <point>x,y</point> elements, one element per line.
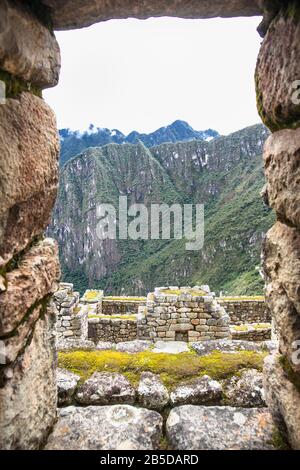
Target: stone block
<point>278,68</point>
<point>118,427</point>
<point>282,170</point>
<point>181,327</point>
<point>283,399</point>
<point>34,278</point>
<point>28,183</point>
<point>28,49</point>
<point>28,393</point>
<point>281,262</point>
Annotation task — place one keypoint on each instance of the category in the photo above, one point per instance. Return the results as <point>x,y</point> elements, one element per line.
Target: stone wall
<point>278,97</point>
<point>246,311</point>
<point>251,332</point>
<point>185,314</point>
<point>72,318</point>
<point>114,330</point>
<point>29,267</point>
<point>93,299</point>
<point>112,306</point>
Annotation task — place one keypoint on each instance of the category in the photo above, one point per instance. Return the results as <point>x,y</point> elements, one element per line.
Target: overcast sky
<point>141,75</point>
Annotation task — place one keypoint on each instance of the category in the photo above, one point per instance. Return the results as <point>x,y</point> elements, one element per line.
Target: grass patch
<point>193,293</point>
<point>172,368</point>
<point>113,317</point>
<point>261,326</point>
<point>241,298</point>
<point>291,374</point>
<point>124,299</point>
<point>92,295</point>
<point>279,441</point>
<point>240,328</point>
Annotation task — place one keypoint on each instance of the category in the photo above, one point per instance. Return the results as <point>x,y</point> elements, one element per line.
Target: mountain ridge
<point>75,142</point>
<point>226,174</point>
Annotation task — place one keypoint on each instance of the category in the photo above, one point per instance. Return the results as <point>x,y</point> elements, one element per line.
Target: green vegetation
<point>92,295</point>
<point>240,327</point>
<point>172,368</point>
<point>241,298</point>
<point>14,85</point>
<point>261,326</point>
<point>193,293</point>
<point>292,375</point>
<point>279,441</point>
<point>124,299</point>
<point>236,218</point>
<point>113,317</point>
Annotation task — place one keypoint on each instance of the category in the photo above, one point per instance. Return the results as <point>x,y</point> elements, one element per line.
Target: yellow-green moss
<point>279,441</point>
<point>92,295</point>
<point>124,299</point>
<point>240,327</point>
<point>259,326</point>
<point>291,374</point>
<point>241,298</point>
<point>193,293</point>
<point>172,368</point>
<point>113,317</point>
<point>14,86</point>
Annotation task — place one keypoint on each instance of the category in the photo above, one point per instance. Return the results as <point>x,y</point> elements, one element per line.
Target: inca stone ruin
<point>37,317</point>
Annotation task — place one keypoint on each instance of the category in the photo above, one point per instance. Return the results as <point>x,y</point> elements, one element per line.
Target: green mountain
<point>225,174</point>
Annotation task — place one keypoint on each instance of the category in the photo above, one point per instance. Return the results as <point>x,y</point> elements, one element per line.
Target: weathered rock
<point>282,169</point>
<point>245,390</point>
<point>104,388</point>
<point>220,428</point>
<point>13,345</point>
<point>28,49</point>
<point>66,385</point>
<point>27,184</point>
<point>92,12</point>
<point>270,346</point>
<point>281,255</point>
<point>75,344</point>
<point>203,391</point>
<point>35,277</point>
<point>170,347</point>
<point>119,427</point>
<point>283,400</point>
<point>278,69</point>
<point>104,346</point>
<point>203,348</point>
<point>133,346</point>
<point>28,393</point>
<point>151,392</point>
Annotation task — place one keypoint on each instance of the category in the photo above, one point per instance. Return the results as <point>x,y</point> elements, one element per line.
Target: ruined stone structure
<point>169,314</point>
<point>118,306</point>
<point>71,319</point>
<point>246,310</point>
<point>29,270</point>
<point>114,330</point>
<point>251,332</point>
<point>185,314</point>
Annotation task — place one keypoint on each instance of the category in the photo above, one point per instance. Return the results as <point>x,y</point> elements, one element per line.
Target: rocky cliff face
<point>225,174</point>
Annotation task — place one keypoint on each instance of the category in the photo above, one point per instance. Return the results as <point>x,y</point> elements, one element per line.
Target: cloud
<point>141,75</point>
